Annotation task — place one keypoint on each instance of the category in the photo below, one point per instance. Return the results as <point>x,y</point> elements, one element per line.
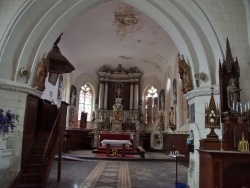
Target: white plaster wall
<point>16,102</point>
<point>199,97</point>
<point>231,21</point>
<point>227,18</point>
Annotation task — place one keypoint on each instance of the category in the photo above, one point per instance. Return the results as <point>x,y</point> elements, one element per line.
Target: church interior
<point>125,77</point>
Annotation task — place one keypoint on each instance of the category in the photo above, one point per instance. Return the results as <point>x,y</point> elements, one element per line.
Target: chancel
<point>129,82</point>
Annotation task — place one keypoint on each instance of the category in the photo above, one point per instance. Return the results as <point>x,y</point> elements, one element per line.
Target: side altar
<point>225,159</point>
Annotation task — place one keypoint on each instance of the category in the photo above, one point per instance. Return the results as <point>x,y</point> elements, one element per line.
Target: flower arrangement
<point>7,121</point>
<point>115,152</point>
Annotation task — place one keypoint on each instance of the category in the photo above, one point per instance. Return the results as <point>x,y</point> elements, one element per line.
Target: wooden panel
<point>172,142</point>
<point>228,169</point>
<point>78,139</point>
<point>30,120</point>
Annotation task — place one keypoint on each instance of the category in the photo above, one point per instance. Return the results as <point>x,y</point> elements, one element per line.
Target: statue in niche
<point>233,94</point>
<point>171,116</point>
<point>161,121</point>
<point>118,90</point>
<point>117,111</point>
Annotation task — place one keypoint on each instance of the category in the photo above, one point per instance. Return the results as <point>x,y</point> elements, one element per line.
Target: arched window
<point>85,101</point>
<point>151,106</point>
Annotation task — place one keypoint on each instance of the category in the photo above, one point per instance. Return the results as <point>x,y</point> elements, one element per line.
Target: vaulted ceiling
<point>115,33</point>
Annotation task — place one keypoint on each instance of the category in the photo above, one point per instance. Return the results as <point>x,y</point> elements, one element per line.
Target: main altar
<point>118,106</point>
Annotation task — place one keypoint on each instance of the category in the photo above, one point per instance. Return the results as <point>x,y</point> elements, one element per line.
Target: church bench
<point>141,151</point>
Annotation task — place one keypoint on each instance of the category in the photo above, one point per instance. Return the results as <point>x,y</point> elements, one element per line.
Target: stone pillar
<point>101,93</point>
<point>106,96</point>
<point>131,96</point>
<point>136,95</point>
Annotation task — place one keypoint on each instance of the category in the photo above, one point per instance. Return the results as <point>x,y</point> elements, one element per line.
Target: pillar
<point>136,95</point>
<point>106,96</point>
<point>131,96</point>
<point>101,93</point>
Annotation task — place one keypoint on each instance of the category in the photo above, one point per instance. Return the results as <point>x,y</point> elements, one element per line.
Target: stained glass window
<point>151,104</point>
<point>85,101</point>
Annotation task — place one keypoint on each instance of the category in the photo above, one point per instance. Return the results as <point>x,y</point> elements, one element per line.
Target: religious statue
<point>171,116</point>
<point>161,121</point>
<point>185,75</point>
<point>117,111</point>
<point>232,93</point>
<point>118,91</point>
<point>190,139</point>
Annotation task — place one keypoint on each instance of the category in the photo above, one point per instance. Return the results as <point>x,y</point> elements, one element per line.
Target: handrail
<point>52,130</point>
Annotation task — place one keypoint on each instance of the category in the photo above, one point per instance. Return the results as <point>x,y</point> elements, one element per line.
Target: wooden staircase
<point>46,144</point>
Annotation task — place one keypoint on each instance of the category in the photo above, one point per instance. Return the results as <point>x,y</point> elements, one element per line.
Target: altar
<point>116,143</point>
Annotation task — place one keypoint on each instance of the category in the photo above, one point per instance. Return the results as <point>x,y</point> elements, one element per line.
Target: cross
<point>212,88</point>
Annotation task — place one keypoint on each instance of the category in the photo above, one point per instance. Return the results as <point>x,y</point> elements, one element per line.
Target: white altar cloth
<point>115,142</point>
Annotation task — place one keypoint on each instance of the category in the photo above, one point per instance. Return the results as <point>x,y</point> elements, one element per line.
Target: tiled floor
<point>83,171</point>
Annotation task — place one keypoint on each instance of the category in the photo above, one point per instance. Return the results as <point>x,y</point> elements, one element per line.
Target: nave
<point>157,170</point>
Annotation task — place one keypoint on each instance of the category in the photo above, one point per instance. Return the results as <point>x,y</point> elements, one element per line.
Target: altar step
<point>102,150</point>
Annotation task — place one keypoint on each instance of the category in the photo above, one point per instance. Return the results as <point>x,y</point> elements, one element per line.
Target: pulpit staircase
<point>46,144</point>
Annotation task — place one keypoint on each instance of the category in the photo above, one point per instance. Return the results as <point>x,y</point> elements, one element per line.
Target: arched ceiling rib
<point>92,36</point>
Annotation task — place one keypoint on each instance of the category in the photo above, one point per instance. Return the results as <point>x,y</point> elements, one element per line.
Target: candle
<point>233,105</point>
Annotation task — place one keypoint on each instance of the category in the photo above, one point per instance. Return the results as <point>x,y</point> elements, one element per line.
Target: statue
<point>171,116</point>
<point>190,139</point>
<point>232,93</point>
<point>117,111</point>
<point>161,121</point>
<point>118,91</point>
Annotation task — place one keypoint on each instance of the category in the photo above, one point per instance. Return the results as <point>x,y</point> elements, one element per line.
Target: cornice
<point>202,91</point>
<point>18,87</point>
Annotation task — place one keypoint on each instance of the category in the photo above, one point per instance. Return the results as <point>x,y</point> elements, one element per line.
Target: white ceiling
<point>115,33</point>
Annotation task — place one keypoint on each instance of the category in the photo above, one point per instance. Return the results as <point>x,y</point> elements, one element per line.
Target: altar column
<point>131,96</point>
<point>101,92</point>
<point>136,95</point>
<point>106,96</point>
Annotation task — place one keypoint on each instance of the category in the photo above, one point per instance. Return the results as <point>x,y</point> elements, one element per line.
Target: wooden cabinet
<point>224,169</point>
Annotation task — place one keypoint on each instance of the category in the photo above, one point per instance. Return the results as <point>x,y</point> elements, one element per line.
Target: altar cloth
<point>115,142</point>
